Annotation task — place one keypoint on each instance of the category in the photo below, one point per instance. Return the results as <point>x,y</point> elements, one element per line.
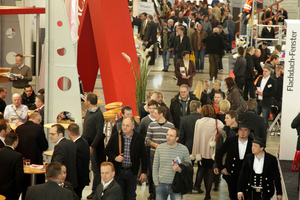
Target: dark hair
<point>192,24</point>
<point>165,29</point>
<point>152,103</point>
<point>74,129</point>
<point>194,15</point>
<point>252,104</point>
<point>42,91</point>
<point>184,53</point>
<point>125,108</point>
<point>232,114</point>
<point>3,124</point>
<point>59,129</point>
<point>150,17</point>
<point>2,88</point>
<point>241,51</point>
<point>194,105</point>
<point>274,57</point>
<point>10,138</point>
<point>19,55</point>
<point>91,97</point>
<point>53,170</point>
<point>145,14</point>
<point>207,111</point>
<point>176,130</point>
<point>230,82</point>
<point>219,92</point>
<point>27,86</point>
<point>161,110</point>
<point>40,97</point>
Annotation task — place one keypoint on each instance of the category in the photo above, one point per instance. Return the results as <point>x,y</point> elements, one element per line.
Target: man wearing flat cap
<point>259,174</point>
<point>236,147</point>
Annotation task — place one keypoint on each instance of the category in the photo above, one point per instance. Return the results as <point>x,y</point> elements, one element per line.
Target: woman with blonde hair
<point>201,92</point>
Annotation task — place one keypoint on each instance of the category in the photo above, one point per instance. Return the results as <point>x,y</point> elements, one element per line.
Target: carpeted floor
<point>290,179</point>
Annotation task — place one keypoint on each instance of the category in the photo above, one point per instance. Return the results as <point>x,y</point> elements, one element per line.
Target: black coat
<point>11,173</point>
<point>32,141</point>
<point>184,45</point>
<point>257,122</point>
<point>69,186</point>
<point>150,32</point>
<point>29,101</point>
<point>257,65</point>
<point>240,67</point>
<point>1,144</point>
<point>112,192</point>
<point>183,182</point>
<point>176,106</point>
<point>187,127</point>
<point>296,124</point>
<point>279,87</point>
<point>137,151</point>
<point>214,44</point>
<point>268,92</point>
<point>2,105</point>
<point>65,153</point>
<point>271,176</point>
<point>249,73</point>
<point>82,161</point>
<point>42,111</point>
<point>48,191</point>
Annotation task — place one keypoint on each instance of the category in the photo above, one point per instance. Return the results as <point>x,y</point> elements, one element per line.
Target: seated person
<point>28,97</point>
<point>16,112</point>
<point>66,184</point>
<point>39,102</point>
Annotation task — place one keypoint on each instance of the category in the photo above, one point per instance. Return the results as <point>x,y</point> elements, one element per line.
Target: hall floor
<point>164,82</point>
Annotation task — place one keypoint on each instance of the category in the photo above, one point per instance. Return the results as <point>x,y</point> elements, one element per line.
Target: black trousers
<point>249,88</point>
<point>232,182</point>
<point>127,180</point>
<point>240,82</point>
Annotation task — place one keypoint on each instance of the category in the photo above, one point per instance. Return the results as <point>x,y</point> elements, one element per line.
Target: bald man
<point>16,112</point>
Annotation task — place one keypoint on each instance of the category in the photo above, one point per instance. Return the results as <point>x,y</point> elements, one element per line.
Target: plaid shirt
<point>126,154</point>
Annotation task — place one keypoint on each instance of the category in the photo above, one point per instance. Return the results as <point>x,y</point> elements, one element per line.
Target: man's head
<point>128,126</point>
<point>160,97</point>
<point>217,85</point>
<point>73,131</point>
<point>257,53</point>
<point>220,28</point>
<point>195,106</point>
<point>244,131</point>
<point>41,92</point>
<point>241,51</point>
<point>231,118</point>
<point>144,16</point>
<point>180,30</point>
<point>56,132</point>
<point>3,92</point>
<point>107,171</point>
<point>159,113</point>
<point>126,111</point>
<point>199,27</point>
<point>172,136</point>
<point>16,99</point>
<point>12,139</point>
<point>279,71</point>
<point>184,91</point>
<point>19,59</point>
<point>39,101</point>
<point>251,104</point>
<point>152,105</point>
<point>4,128</point>
<point>264,45</point>
<point>192,16</point>
<point>218,97</point>
<point>149,18</point>
<point>171,21</point>
<point>281,8</point>
<point>205,18</point>
<point>28,90</point>
<point>274,59</point>
<point>266,71</point>
<point>215,30</point>
<point>224,105</point>
<point>63,173</point>
<point>54,172</point>
<point>270,22</point>
<point>258,145</point>
<point>35,117</point>
<point>91,99</point>
<point>180,14</point>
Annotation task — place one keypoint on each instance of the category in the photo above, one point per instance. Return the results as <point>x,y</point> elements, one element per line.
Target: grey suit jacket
<point>112,192</point>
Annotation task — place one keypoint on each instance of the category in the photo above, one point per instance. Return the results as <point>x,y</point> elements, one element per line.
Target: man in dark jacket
<point>268,32</point>
<point>226,44</point>
<point>239,69</point>
<point>150,37</point>
<point>265,52</point>
<point>180,104</point>
<point>28,97</point>
<point>256,62</point>
<point>181,43</point>
<point>121,150</point>
<point>249,75</point>
<point>215,48</point>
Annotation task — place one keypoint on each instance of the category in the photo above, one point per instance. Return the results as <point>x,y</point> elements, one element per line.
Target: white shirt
<point>2,138</point>
<point>262,86</point>
<point>152,119</point>
<point>59,140</point>
<point>18,115</point>
<point>242,148</point>
<point>77,139</point>
<point>187,65</point>
<point>105,185</point>
<point>258,164</point>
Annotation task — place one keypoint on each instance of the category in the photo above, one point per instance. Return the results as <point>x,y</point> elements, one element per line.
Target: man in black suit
<point>32,143</point>
<point>109,189</point>
<point>50,190</point>
<point>39,102</point>
<point>125,157</point>
<point>11,169</point>
<point>66,184</point>
<point>266,89</point>
<point>187,127</point>
<point>259,174</point>
<point>150,37</point>
<point>82,158</point>
<point>237,148</point>
<point>3,93</point>
<point>4,130</point>
<point>256,120</point>
<point>64,152</point>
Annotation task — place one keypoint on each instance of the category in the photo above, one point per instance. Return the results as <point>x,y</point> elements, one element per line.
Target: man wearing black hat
<point>236,147</point>
<point>259,174</point>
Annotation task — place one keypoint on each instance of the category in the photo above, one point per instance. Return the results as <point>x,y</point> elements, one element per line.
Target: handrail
<point>265,20</point>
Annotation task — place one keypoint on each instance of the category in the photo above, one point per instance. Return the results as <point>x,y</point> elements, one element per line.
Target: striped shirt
<point>157,133</point>
<point>126,154</point>
<point>163,162</point>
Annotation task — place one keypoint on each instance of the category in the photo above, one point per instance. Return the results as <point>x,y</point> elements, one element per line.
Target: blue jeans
<point>265,110</point>
<point>163,190</point>
<point>166,59</point>
<point>199,175</point>
<point>199,54</point>
<point>230,38</point>
<point>127,180</point>
<point>96,171</point>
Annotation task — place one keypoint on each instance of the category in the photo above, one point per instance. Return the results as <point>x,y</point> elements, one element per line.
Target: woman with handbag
<point>205,137</point>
